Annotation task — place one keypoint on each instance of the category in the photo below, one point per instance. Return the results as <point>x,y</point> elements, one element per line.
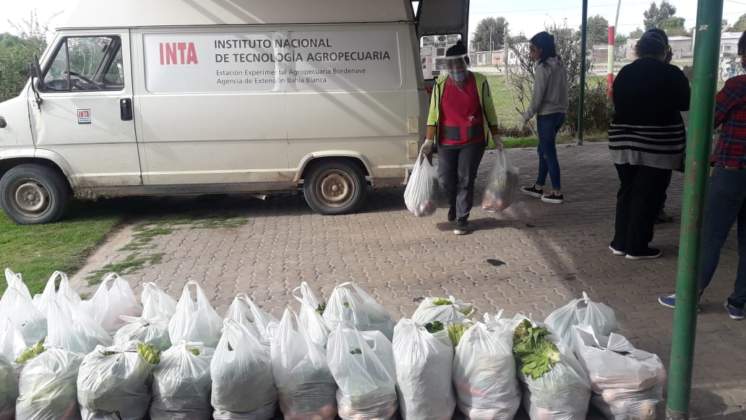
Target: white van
<point>168,97</point>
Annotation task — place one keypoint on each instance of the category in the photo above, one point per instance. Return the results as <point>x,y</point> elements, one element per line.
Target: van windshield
<point>86,64</point>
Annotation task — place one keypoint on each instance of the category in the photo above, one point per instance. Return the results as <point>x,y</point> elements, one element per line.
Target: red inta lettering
<point>178,53</point>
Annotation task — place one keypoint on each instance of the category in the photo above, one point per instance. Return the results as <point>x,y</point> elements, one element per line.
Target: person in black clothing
<point>647,141</point>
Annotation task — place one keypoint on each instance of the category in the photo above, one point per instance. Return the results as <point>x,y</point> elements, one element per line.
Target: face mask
<point>458,75</point>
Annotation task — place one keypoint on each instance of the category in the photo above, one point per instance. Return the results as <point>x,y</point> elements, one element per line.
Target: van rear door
<point>437,17</point>
<point>86,110</point>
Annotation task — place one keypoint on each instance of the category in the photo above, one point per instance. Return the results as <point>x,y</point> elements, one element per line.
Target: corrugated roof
<point>146,13</point>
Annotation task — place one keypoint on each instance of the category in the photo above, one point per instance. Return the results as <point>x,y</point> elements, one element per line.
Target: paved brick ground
<point>551,254</point>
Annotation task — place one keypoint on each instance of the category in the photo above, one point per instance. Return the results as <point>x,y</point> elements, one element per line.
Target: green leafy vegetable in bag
<point>31,352</point>
<point>455,332</point>
<point>535,352</point>
<point>435,326</point>
<point>149,353</point>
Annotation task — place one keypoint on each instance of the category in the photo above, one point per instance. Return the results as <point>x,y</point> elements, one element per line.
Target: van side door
<point>86,111</point>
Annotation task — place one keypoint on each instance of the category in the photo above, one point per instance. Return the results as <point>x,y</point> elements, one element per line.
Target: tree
<point>655,15</point>
<point>664,17</point>
<point>598,30</point>
<point>17,51</point>
<point>489,35</point>
<point>621,39</point>
<point>636,34</point>
<point>740,24</point>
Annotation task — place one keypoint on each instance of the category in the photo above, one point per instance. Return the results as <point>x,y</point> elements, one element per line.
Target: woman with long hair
<point>549,105</point>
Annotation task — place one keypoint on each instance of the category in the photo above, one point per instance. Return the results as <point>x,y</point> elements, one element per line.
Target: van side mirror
<point>37,81</point>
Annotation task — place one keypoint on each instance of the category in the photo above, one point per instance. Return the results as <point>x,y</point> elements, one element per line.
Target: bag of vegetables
<point>247,313</point>
<point>54,292</point>
<point>156,304</point>
<point>350,304</point>
<point>424,359</point>
<point>310,315</point>
<point>153,332</point>
<point>12,343</point>
<point>47,388</point>
<point>241,372</point>
<point>502,184</point>
<point>362,364</point>
<point>446,310</point>
<point>581,311</point>
<point>8,390</point>
<point>555,385</point>
<point>17,306</point>
<point>484,374</point>
<point>181,384</point>
<point>72,329</point>
<point>114,382</point>
<point>195,320</point>
<point>113,298</point>
<point>627,383</point>
<point>306,387</point>
<point>420,195</point>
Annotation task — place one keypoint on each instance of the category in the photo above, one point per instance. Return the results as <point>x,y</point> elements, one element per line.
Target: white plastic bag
<point>423,372</point>
<point>362,364</point>
<point>47,389</point>
<point>241,372</point>
<point>627,383</point>
<point>8,390</point>
<point>113,298</point>
<point>113,384</point>
<point>181,384</point>
<point>310,315</point>
<point>17,306</point>
<point>420,195</point>
<point>484,373</point>
<point>12,343</point>
<point>581,311</point>
<point>72,329</point>
<point>153,332</point>
<point>502,184</point>
<point>156,304</point>
<point>247,313</point>
<point>195,320</point>
<point>349,303</point>
<point>446,310</point>
<point>54,291</point>
<point>306,387</point>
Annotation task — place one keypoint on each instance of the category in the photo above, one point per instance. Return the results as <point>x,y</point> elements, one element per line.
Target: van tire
<point>335,187</point>
<point>33,194</point>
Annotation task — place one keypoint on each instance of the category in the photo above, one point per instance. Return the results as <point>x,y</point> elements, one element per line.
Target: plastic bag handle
<point>63,280</point>
<point>109,279</point>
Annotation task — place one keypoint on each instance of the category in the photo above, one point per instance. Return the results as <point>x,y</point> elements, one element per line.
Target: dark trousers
<point>548,126</point>
<point>726,204</point>
<point>457,172</point>
<point>639,199</point>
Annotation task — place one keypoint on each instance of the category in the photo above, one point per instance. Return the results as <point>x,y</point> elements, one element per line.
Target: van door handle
<point>125,109</point>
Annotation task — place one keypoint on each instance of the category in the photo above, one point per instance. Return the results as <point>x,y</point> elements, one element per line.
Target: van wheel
<point>33,194</point>
<point>335,187</point>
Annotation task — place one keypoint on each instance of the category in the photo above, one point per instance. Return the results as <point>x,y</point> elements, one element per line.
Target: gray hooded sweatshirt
<point>550,89</point>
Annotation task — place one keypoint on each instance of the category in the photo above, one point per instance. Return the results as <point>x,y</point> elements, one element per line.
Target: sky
<point>527,17</point>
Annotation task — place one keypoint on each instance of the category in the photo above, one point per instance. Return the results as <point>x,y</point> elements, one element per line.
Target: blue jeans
<point>548,126</point>
<point>726,204</point>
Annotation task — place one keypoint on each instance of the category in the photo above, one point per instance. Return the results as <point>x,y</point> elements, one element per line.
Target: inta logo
<point>175,53</point>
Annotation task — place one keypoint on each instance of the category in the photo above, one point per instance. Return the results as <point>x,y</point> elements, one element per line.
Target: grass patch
<point>140,247</point>
<point>37,251</point>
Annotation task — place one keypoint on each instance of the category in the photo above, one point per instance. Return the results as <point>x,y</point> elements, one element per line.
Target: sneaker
<point>462,228</point>
<point>553,198</point>
<point>617,252</point>
<point>532,191</point>
<point>734,312</point>
<point>669,301</point>
<point>452,214</point>
<point>648,254</point>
